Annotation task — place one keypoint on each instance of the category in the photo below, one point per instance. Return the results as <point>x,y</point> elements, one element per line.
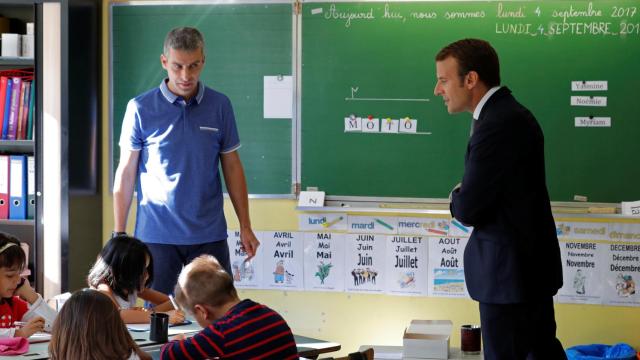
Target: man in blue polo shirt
<point>173,139</point>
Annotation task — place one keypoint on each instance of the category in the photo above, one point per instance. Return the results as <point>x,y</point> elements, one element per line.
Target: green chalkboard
<point>355,53</point>
<point>244,43</point>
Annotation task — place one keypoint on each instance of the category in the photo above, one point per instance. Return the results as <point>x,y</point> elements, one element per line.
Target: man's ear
<point>163,61</point>
<point>471,80</point>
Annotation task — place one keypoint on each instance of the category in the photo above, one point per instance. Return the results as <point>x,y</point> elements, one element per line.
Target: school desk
<point>307,347</point>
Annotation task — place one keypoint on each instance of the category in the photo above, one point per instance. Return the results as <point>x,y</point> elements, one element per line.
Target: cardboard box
<point>427,339</point>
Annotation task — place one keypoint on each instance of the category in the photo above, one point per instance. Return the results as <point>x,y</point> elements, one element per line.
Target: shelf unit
<point>25,230</point>
<point>48,233</point>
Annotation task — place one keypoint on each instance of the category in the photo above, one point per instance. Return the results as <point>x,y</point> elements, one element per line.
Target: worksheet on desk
<point>173,329</point>
<point>39,337</point>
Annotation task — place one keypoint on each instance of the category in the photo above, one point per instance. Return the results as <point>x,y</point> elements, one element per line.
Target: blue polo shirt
<point>180,198</point>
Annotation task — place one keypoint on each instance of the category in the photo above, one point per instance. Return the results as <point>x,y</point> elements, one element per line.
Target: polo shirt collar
<point>171,97</point>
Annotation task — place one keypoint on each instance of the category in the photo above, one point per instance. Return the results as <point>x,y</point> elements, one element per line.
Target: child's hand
<point>26,292</point>
<point>175,317</point>
<point>33,326</point>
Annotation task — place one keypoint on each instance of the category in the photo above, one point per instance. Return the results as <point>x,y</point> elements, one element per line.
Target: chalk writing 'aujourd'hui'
<point>333,13</point>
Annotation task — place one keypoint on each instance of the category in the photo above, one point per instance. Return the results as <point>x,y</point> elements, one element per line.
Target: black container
<point>159,327</point>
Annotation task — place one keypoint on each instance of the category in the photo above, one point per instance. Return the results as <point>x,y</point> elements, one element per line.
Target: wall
<point>353,319</point>
<point>85,197</point>
<point>85,237</point>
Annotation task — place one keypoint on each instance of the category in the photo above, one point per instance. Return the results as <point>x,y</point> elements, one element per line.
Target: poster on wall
<point>458,229</point>
<point>364,263</point>
<point>582,271</point>
<point>622,274</point>
<point>282,260</point>
<point>324,261</point>
<point>425,226</point>
<point>446,267</point>
<point>322,222</point>
<point>246,274</point>
<point>406,265</point>
<point>582,230</point>
<point>628,232</point>
<point>372,225</point>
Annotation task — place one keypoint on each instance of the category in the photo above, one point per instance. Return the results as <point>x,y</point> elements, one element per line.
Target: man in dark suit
<point>512,260</point>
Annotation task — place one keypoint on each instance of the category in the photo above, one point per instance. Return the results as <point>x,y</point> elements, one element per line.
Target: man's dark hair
<point>474,55</point>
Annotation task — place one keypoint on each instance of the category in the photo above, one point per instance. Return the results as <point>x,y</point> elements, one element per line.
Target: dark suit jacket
<point>513,254</point>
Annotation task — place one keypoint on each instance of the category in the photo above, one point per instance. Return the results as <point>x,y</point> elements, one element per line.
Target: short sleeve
<point>230,138</point>
<point>130,135</point>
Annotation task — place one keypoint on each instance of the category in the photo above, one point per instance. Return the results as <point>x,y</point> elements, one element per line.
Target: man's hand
<point>249,243</point>
<point>33,326</point>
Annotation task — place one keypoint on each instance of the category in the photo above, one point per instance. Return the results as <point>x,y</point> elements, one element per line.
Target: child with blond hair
<point>233,328</point>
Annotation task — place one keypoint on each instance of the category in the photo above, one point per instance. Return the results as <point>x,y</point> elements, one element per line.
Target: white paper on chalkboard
<point>278,97</point>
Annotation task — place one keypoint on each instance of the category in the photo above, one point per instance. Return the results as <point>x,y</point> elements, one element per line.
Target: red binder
<point>4,186</point>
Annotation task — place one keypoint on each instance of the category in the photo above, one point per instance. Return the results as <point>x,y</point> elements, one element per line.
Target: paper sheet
<point>278,97</point>
<point>39,337</point>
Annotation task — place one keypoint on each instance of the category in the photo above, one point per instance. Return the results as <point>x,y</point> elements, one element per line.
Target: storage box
<point>427,339</point>
<point>11,45</point>
<point>435,327</point>
<point>27,46</point>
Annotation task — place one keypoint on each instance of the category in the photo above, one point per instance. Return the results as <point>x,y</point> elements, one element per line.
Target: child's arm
<point>163,304</point>
<point>129,316</point>
<point>139,315</point>
<point>142,316</point>
<point>31,327</point>
<point>37,306</point>
<point>135,316</point>
<point>176,316</point>
<point>143,355</point>
<point>157,298</point>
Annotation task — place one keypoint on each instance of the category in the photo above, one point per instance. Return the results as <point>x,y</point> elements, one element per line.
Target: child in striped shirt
<point>233,328</point>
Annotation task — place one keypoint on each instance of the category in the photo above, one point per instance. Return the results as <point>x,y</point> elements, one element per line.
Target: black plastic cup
<point>159,327</point>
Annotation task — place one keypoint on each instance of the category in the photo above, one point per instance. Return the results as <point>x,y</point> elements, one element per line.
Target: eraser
<point>579,198</point>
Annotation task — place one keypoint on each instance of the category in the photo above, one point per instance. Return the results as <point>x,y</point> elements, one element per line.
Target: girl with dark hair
<point>89,327</point>
<point>18,301</point>
<point>124,271</point>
